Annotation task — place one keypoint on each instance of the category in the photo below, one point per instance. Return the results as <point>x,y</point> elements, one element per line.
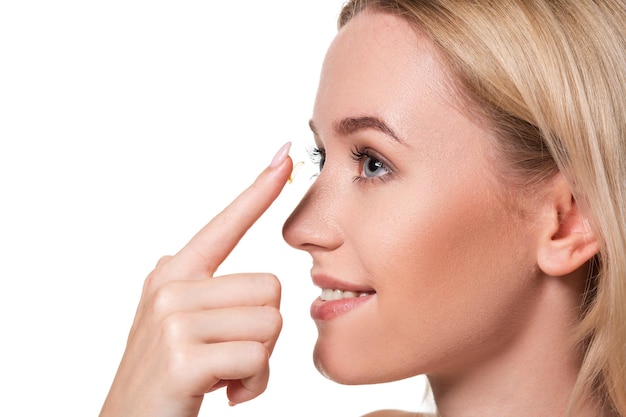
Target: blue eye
<point>370,166</point>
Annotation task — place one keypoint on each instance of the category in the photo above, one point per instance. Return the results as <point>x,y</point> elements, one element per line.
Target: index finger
<point>212,244</point>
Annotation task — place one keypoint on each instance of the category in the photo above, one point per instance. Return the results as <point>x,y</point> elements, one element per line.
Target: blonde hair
<point>549,76</point>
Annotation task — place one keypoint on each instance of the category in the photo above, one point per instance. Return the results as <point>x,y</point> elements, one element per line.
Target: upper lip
<point>327,281</point>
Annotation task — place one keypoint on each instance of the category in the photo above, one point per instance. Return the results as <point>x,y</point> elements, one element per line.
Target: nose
<point>314,224</point>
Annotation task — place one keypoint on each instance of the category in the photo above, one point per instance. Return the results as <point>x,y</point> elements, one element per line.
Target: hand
<point>194,333</point>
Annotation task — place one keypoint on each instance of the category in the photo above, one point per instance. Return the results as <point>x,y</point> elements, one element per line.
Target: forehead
<point>378,64</point>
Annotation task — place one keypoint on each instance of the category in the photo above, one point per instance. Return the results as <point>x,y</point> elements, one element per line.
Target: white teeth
<point>329,294</point>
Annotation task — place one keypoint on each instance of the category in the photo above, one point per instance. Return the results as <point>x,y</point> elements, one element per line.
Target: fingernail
<point>231,404</point>
<point>281,155</point>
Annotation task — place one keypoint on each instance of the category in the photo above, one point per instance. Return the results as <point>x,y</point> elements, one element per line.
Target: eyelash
<point>318,157</point>
<point>359,155</point>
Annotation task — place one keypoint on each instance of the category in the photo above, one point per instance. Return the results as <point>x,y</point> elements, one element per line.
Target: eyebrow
<point>349,125</point>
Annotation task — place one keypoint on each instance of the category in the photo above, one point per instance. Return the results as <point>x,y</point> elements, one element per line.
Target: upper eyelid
<point>372,153</point>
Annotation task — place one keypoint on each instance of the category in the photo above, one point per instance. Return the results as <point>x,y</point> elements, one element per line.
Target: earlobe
<point>568,240</point>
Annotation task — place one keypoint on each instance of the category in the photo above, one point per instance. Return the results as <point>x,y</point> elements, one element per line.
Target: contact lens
<point>296,168</point>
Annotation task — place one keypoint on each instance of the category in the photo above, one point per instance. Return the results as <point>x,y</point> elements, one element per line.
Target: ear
<point>567,241</point>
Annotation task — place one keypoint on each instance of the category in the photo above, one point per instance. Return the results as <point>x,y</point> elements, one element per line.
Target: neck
<point>533,375</point>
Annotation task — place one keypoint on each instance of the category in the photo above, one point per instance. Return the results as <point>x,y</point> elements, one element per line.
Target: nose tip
<point>296,228</point>
<point>313,223</point>
<point>289,231</point>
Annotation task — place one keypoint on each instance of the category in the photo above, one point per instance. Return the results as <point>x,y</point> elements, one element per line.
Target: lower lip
<point>327,310</point>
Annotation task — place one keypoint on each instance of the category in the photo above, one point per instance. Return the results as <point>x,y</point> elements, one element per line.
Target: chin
<point>334,366</point>
<point>340,376</point>
<point>351,368</point>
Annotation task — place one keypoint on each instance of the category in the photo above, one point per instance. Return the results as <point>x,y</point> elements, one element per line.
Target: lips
<point>337,298</point>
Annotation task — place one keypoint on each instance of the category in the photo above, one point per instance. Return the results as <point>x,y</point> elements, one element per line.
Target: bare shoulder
<point>396,413</point>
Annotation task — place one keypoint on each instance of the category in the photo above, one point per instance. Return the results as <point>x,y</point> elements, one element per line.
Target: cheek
<point>431,241</point>
<point>448,270</point>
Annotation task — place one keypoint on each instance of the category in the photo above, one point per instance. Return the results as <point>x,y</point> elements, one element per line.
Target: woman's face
<point>435,266</point>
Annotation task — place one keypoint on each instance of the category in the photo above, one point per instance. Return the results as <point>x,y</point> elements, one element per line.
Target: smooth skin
<point>194,332</point>
<point>469,280</point>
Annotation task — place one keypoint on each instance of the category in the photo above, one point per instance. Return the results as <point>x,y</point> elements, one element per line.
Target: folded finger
<point>252,289</point>
<point>258,324</point>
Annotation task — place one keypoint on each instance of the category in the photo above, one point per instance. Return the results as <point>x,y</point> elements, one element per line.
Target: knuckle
<point>151,282</point>
<point>173,327</point>
<point>155,278</point>
<point>272,319</point>
<point>163,260</point>
<point>257,354</point>
<point>163,299</point>
<point>272,285</point>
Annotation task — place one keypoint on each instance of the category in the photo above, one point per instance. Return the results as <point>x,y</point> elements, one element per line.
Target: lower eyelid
<point>371,180</point>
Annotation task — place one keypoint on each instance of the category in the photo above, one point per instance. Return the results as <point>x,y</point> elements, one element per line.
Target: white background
<point>124,127</point>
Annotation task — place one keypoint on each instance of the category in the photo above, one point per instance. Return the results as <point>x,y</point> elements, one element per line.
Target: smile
<point>329,294</point>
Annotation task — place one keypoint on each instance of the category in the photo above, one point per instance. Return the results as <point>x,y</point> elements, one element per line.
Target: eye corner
<point>317,155</point>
